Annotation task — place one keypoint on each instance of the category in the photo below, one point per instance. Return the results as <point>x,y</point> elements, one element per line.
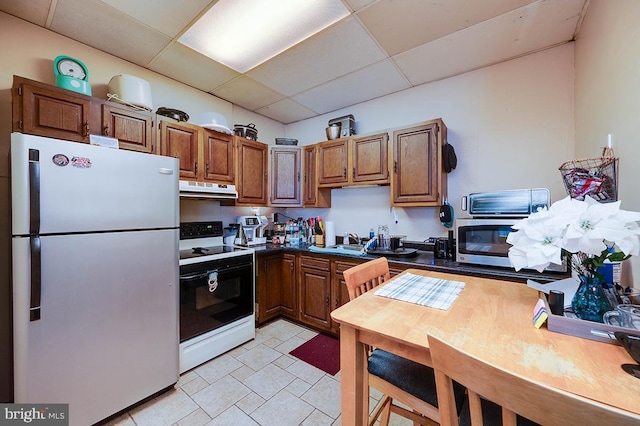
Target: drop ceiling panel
<point>523,31</point>
<point>368,83</point>
<point>286,111</point>
<point>402,25</point>
<point>167,16</point>
<point>96,24</point>
<point>192,68</point>
<point>35,11</point>
<point>248,93</point>
<point>334,52</point>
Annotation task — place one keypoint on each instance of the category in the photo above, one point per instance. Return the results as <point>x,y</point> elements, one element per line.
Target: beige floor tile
<point>282,329</point>
<point>232,416</point>
<point>195,385</point>
<point>218,367</point>
<point>167,409</point>
<point>322,395</point>
<point>289,345</point>
<point>219,396</point>
<point>269,380</point>
<point>285,361</point>
<point>272,342</point>
<point>197,418</point>
<point>250,403</point>
<point>306,372</point>
<point>307,334</point>
<point>298,387</point>
<point>243,372</point>
<point>318,418</point>
<point>283,409</point>
<point>259,357</point>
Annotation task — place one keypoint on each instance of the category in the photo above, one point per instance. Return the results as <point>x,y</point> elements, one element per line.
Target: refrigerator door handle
<point>36,279</point>
<point>34,191</point>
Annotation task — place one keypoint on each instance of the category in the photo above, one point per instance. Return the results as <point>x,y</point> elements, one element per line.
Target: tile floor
<point>258,383</point>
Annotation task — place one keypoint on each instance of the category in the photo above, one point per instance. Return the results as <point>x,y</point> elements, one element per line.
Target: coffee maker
<point>254,227</point>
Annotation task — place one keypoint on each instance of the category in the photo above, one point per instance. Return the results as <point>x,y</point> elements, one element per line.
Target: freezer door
<point>60,187</point>
<point>107,335</point>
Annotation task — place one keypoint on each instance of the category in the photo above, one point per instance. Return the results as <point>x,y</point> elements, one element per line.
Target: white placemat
<point>426,291</point>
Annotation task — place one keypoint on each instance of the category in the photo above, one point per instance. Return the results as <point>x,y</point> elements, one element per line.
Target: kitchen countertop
<point>425,260</point>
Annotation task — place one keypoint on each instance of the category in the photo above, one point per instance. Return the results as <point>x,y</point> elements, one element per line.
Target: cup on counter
<point>624,315</point>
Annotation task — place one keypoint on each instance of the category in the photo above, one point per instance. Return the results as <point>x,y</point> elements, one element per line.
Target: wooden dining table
<point>491,320</point>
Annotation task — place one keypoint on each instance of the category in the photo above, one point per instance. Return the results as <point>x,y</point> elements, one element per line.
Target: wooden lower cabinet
<point>304,287</point>
<point>314,290</point>
<point>276,286</point>
<point>339,287</point>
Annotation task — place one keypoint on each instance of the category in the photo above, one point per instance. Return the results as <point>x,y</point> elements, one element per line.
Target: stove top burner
<point>208,251</point>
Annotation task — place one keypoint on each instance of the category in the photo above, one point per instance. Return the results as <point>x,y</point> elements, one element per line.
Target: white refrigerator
<point>95,275</point>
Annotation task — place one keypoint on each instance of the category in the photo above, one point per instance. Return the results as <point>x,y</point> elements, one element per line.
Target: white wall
<point>608,91</point>
<point>511,125</point>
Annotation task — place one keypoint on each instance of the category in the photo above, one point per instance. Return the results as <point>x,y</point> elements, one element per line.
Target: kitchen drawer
<point>315,262</point>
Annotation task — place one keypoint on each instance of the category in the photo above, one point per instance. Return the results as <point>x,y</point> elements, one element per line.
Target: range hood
<point>209,190</point>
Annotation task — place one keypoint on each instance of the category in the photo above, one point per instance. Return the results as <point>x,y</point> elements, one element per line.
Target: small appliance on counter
<point>253,227</point>
<point>482,239</point>
<point>347,125</point>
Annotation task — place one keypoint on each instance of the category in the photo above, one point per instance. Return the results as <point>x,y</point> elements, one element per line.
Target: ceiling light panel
<point>245,33</point>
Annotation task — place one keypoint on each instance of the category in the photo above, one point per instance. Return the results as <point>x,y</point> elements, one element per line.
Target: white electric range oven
<point>217,292</point>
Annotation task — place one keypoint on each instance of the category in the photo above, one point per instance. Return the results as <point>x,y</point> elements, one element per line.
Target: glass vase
<point>590,303</point>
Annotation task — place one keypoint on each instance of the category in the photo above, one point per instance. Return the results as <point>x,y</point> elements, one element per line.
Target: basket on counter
<point>595,177</point>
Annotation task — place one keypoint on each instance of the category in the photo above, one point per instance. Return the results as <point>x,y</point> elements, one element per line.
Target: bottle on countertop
<point>372,233</point>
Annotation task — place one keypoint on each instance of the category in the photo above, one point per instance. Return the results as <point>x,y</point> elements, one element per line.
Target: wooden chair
<point>399,379</point>
<point>519,400</point>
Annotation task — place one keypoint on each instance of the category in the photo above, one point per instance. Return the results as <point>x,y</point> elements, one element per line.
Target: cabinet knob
<point>86,129</point>
<point>195,167</point>
<point>106,130</point>
<point>344,172</point>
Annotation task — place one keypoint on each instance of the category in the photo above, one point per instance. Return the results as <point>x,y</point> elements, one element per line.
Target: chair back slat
<point>362,278</point>
<point>515,394</point>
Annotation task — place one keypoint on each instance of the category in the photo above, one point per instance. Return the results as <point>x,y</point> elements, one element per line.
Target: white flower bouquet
<point>588,231</point>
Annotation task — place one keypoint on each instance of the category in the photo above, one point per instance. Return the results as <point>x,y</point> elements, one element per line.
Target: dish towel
<point>426,291</point>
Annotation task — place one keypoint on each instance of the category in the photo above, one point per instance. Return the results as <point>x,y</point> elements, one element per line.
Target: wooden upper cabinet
<point>251,181</point>
<point>371,159</point>
<point>181,140</point>
<point>333,162</point>
<point>312,195</point>
<point>418,177</point>
<point>43,110</point>
<point>285,185</point>
<point>133,129</point>
<point>219,157</point>
<point>354,161</point>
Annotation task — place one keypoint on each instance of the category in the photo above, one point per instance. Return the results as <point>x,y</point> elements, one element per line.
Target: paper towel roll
<point>330,233</point>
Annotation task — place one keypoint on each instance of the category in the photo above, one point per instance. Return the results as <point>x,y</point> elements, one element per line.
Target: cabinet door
<point>288,283</point>
<point>219,157</point>
<point>133,129</point>
<point>309,182</point>
<point>315,291</point>
<point>181,141</point>
<point>313,196</point>
<point>371,159</point>
<point>269,286</point>
<point>285,177</point>
<point>333,162</point>
<point>340,294</point>
<point>417,170</point>
<point>252,172</point>
<point>54,113</point>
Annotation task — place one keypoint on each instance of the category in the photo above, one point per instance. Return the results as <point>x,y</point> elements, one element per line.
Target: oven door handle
<point>197,275</point>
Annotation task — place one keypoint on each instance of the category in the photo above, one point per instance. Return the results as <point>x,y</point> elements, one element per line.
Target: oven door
<point>215,293</point>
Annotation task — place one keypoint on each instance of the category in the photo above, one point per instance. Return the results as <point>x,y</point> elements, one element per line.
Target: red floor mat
<point>322,352</point>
